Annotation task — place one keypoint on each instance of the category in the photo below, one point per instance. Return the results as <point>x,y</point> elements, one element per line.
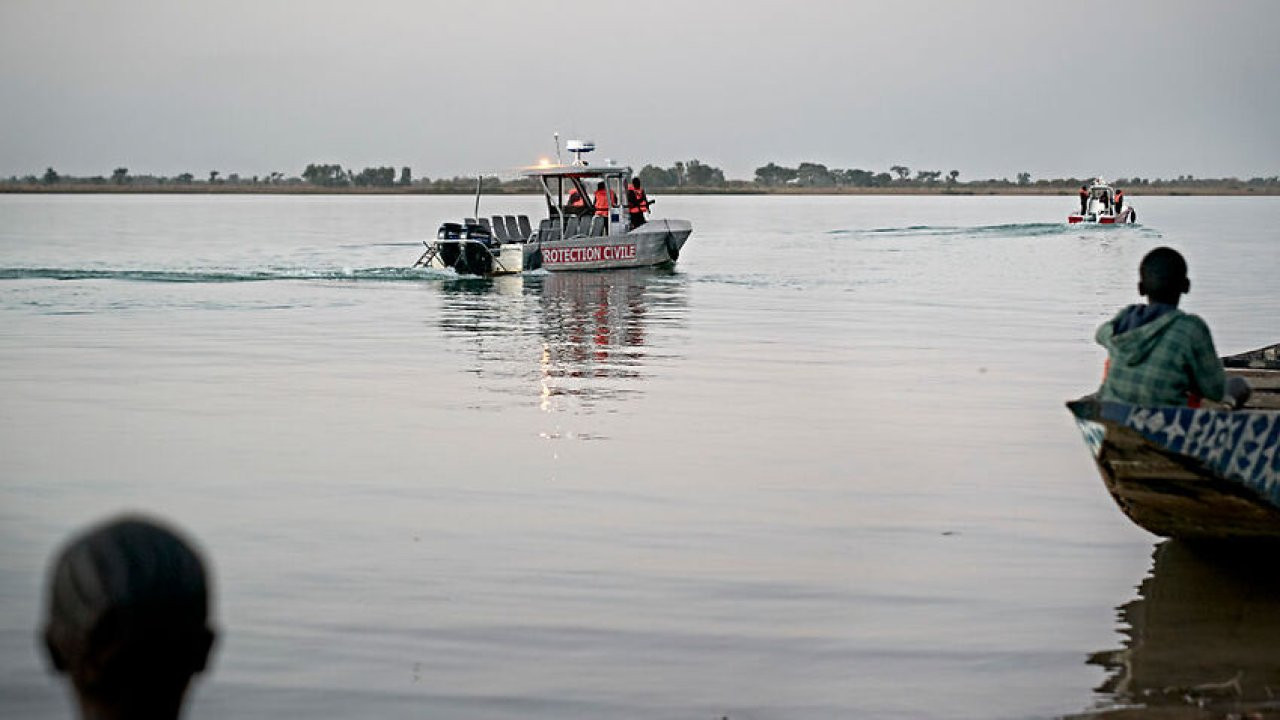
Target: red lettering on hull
<point>588,254</point>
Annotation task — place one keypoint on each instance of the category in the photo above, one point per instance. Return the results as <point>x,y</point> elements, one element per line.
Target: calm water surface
<point>820,469</point>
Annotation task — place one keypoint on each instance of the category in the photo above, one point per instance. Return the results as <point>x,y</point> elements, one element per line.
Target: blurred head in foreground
<point>128,605</point>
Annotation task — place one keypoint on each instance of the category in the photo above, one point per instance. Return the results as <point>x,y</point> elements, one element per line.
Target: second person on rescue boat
<point>604,198</point>
<point>637,203</point>
<point>576,205</point>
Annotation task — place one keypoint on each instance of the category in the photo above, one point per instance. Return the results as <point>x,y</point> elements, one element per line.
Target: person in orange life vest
<point>637,203</point>
<point>1119,200</point>
<point>604,198</point>
<point>576,205</point>
<point>1084,198</point>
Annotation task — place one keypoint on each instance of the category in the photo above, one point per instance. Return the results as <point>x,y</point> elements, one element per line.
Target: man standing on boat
<point>604,198</point>
<point>1158,354</point>
<point>1084,198</point>
<point>1119,201</point>
<point>576,204</point>
<point>637,202</point>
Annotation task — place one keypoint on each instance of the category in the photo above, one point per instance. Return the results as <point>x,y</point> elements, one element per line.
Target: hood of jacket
<point>1135,331</point>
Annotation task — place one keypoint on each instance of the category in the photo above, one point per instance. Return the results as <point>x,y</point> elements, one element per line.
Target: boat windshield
<point>567,194</point>
<point>575,194</point>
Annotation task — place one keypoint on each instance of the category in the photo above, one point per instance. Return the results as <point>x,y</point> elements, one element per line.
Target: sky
<point>1122,88</point>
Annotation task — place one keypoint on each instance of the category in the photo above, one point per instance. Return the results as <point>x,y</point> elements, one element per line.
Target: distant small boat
<point>1204,473</point>
<point>1100,207</point>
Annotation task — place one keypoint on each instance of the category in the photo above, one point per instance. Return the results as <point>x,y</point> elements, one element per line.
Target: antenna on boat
<point>557,137</point>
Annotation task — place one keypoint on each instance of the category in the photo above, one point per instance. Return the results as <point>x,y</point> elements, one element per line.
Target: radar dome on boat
<point>578,147</point>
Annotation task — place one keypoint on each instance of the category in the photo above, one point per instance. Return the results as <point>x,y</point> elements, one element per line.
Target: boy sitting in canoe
<point>1158,354</point>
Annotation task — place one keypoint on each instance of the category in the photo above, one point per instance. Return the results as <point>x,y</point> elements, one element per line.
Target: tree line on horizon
<point>692,174</point>
<point>818,175</point>
<point>320,175</point>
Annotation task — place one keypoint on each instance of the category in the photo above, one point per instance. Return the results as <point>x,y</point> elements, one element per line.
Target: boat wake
<point>395,244</point>
<point>1008,230</point>
<point>209,275</point>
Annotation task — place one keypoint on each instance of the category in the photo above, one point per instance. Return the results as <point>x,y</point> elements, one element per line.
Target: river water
<point>819,469</point>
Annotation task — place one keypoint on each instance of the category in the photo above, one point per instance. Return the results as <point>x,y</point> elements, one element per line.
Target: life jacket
<point>638,200</point>
<point>1084,193</point>
<point>603,199</point>
<point>575,199</point>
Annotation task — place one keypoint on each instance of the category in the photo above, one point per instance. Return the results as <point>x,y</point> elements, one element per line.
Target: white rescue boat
<point>1104,205</point>
<point>579,232</point>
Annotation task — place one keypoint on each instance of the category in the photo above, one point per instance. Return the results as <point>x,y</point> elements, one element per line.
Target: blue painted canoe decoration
<point>1241,445</point>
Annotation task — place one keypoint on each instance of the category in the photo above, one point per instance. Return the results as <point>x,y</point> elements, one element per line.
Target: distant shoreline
<point>294,189</point>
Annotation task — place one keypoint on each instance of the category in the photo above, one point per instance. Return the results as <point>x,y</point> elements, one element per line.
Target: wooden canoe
<point>1208,473</point>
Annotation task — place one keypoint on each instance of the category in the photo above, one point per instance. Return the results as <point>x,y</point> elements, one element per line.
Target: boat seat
<point>571,226</point>
<point>469,221</point>
<point>499,228</point>
<point>526,231</point>
<point>598,226</point>
<point>546,227</point>
<point>484,223</point>
<point>513,230</point>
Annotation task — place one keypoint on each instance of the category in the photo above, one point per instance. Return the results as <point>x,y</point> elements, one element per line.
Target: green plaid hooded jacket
<point>1162,361</point>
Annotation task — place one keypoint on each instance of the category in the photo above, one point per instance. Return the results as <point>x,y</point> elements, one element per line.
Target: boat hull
<point>1190,473</point>
<point>1128,215</point>
<point>653,243</point>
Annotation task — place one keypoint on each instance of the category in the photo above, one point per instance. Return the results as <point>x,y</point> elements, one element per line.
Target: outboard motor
<point>458,231</point>
<point>471,250</point>
<point>449,231</point>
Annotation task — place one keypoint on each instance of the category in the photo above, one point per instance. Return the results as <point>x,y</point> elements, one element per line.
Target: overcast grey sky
<point>1054,88</point>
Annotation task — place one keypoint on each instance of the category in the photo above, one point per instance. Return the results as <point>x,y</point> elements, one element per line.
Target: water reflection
<point>1204,631</point>
<point>573,340</point>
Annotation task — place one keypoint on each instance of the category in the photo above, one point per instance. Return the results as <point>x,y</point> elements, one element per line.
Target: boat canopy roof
<point>577,171</point>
